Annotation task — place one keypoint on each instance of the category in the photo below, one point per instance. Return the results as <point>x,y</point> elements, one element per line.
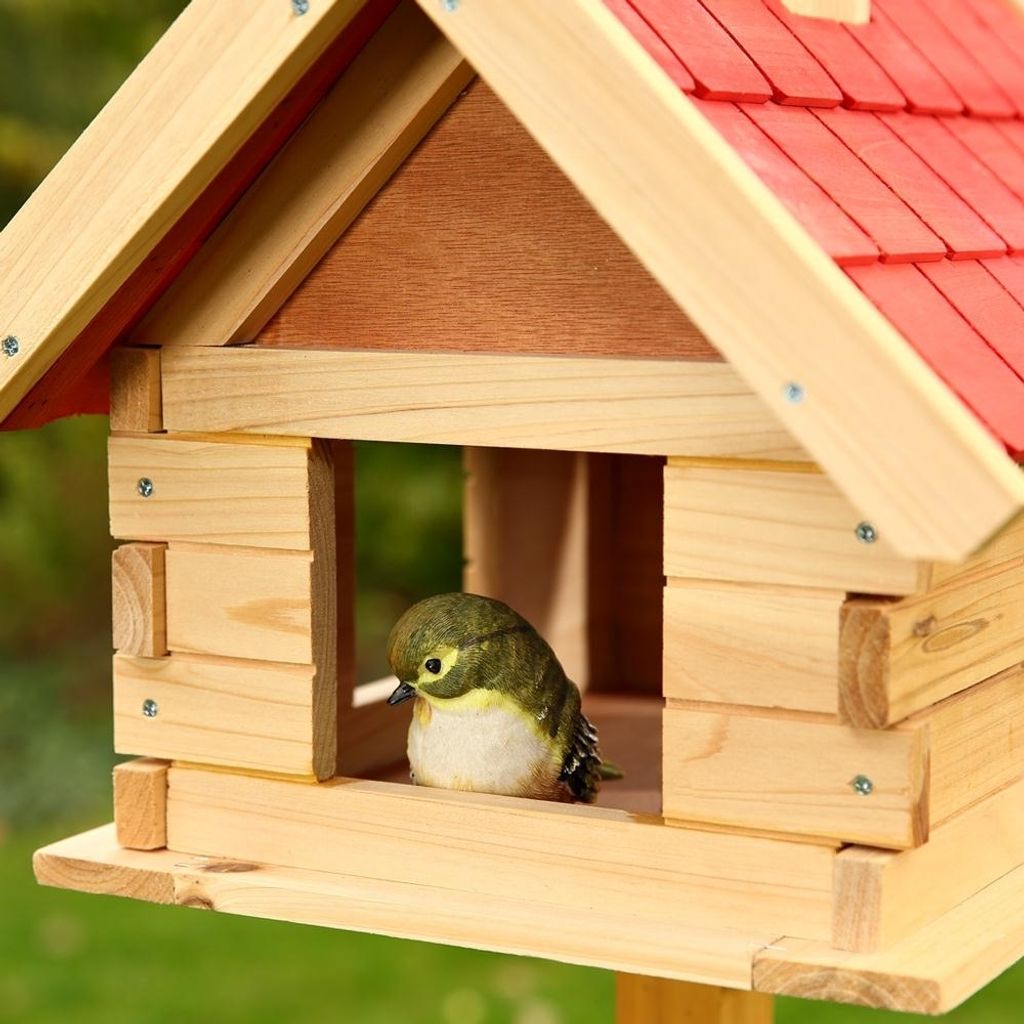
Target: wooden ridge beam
<point>643,406</point>
<point>899,444</point>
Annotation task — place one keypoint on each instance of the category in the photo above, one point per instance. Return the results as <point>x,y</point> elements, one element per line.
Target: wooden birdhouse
<point>725,304</point>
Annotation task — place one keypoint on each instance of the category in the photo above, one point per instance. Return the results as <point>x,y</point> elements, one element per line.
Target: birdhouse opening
<point>572,541</point>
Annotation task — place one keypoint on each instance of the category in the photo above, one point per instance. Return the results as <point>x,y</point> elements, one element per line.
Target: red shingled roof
<point>899,145</point>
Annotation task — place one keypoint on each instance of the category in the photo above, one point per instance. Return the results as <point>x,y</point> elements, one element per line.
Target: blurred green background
<point>64,956</point>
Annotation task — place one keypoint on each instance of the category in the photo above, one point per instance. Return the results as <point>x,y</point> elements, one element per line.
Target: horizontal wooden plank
<point>140,803</point>
<point>795,773</point>
<point>214,490</point>
<point>882,897</point>
<point>139,603</point>
<point>784,773</point>
<point>241,603</point>
<point>762,526</point>
<point>243,714</point>
<point>932,971</point>
<point>899,657</point>
<point>1006,544</point>
<point>492,846</point>
<point>428,909</point>
<point>185,111</point>
<point>644,406</point>
<point>378,110</point>
<point>762,646</point>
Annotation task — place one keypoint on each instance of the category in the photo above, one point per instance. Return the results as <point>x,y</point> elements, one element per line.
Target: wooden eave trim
<point>895,439</point>
<point>379,110</point>
<point>204,89</point>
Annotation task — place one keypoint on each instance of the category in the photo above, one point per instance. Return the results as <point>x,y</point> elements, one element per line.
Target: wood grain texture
<point>856,12</point>
<point>140,803</point>
<point>142,164</point>
<point>241,603</point>
<point>762,526</point>
<point>727,767</point>
<point>752,645</point>
<point>495,846</point>
<point>643,406</point>
<point>670,186</point>
<point>243,714</point>
<point>216,490</point>
<point>434,911</point>
<point>492,249</point>
<point>931,972</point>
<point>318,183</point>
<point>899,657</point>
<point>724,766</point>
<point>139,605</point>
<point>135,402</point>
<point>646,1000</point>
<point>882,898</point>
<point>1004,546</point>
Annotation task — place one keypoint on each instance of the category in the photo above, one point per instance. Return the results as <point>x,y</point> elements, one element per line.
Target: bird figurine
<point>494,711</point>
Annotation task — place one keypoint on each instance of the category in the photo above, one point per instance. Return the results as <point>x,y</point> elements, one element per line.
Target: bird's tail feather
<point>611,772</point>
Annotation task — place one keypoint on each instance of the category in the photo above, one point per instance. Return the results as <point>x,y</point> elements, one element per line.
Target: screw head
<point>794,393</point>
<point>300,7</point>
<point>145,487</point>
<point>11,346</point>
<point>866,533</point>
<point>451,6</point>
<point>150,708</point>
<point>862,785</point>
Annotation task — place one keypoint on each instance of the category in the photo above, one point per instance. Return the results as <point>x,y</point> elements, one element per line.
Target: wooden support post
<point>135,401</point>
<point>140,803</point>
<point>139,599</point>
<point>641,1000</point>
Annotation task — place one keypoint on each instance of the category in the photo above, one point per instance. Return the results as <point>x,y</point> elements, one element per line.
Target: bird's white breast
<point>488,749</point>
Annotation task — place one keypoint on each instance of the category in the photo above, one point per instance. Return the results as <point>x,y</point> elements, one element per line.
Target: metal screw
<point>451,6</point>
<point>300,7</point>
<point>150,708</point>
<point>794,393</point>
<point>862,785</point>
<point>11,346</point>
<point>145,487</point>
<point>866,533</point>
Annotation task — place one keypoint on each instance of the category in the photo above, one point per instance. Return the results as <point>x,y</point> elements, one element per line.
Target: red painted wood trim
<point>663,56</point>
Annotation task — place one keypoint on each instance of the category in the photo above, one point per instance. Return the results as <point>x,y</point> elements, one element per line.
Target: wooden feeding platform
<point>723,305</point>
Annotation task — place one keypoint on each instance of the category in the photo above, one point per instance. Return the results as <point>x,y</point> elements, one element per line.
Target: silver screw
<point>794,393</point>
<point>300,7</point>
<point>150,708</point>
<point>11,346</point>
<point>451,6</point>
<point>145,487</point>
<point>866,533</point>
<point>862,785</point>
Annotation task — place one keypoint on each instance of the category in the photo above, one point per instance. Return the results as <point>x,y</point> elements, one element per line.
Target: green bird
<point>494,712</point>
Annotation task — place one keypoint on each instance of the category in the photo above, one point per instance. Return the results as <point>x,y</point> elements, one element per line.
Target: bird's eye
<point>433,665</point>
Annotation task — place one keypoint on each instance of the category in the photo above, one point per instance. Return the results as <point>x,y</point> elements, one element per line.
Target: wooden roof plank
<point>957,165</point>
<point>989,145</point>
<point>899,233</point>
<point>186,110</point>
<point>378,111</point>
<point>863,83</point>
<point>699,219</point>
<point>720,68</point>
<point>663,54</point>
<point>910,178</point>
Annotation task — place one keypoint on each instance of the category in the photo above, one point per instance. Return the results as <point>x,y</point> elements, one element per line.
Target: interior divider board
<point>248,715</point>
<point>241,603</point>
<point>219,490</point>
<point>882,897</point>
<point>755,525</point>
<point>899,657</point>
<point>805,774</point>
<point>491,846</point>
<point>756,645</point>
<point>643,406</point>
<point>599,935</point>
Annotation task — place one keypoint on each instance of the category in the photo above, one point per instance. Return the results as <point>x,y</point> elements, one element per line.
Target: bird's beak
<point>402,693</point>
